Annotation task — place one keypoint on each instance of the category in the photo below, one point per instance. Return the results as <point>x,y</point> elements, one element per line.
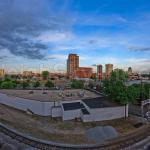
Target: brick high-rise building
<point>99,72</point>
<point>72,64</point>
<point>73,69</point>
<point>109,69</point>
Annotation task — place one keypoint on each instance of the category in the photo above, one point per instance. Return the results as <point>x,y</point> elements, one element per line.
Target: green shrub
<point>49,84</point>
<point>8,85</point>
<point>77,84</point>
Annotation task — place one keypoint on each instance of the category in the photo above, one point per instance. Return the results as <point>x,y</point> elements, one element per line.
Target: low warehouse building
<point>88,110</point>
<point>95,109</point>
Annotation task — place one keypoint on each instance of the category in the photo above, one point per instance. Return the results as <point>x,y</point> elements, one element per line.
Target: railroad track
<point>117,143</point>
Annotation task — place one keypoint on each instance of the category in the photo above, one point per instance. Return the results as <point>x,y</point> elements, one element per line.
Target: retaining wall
<point>37,107</point>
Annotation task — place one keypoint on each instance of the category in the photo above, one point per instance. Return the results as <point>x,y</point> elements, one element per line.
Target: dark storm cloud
<point>3,57</point>
<point>21,21</point>
<point>135,48</point>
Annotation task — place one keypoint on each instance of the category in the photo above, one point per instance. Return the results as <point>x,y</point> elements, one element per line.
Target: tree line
<point>116,88</point>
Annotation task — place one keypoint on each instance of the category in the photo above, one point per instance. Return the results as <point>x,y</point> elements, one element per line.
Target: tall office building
<point>109,69</point>
<point>72,64</point>
<point>99,72</point>
<point>2,73</point>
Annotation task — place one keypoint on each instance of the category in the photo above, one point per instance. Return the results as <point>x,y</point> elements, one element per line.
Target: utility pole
<point>149,103</point>
<point>141,99</point>
<point>141,91</point>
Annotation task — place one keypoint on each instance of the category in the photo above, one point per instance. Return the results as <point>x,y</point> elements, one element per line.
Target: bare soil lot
<point>55,129</point>
<point>51,95</point>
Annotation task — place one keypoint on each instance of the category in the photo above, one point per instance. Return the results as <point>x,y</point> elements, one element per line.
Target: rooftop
<point>51,95</point>
<point>72,106</point>
<point>99,102</point>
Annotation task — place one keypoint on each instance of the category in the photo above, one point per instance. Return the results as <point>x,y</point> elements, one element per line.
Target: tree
<point>77,84</point>
<point>133,93</point>
<point>7,78</point>
<point>36,84</point>
<point>8,85</point>
<point>146,89</point>
<point>49,84</point>
<point>25,85</point>
<point>1,82</point>
<point>116,89</point>
<point>118,75</point>
<point>45,75</point>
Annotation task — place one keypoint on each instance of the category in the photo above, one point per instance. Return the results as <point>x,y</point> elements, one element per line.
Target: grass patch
<point>66,126</point>
<point>41,134</point>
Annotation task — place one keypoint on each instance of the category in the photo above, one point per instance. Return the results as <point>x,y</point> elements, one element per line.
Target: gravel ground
<point>6,143</point>
<point>142,145</point>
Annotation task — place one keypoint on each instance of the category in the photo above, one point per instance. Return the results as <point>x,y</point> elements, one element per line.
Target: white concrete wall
<point>86,118</point>
<point>45,109</point>
<point>108,113</point>
<point>56,112</point>
<point>71,114</point>
<point>37,107</point>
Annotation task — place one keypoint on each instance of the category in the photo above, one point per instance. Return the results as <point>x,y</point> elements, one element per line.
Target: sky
<point>39,34</point>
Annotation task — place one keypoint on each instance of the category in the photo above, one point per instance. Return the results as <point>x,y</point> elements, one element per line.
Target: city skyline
<point>100,32</point>
<point>73,69</point>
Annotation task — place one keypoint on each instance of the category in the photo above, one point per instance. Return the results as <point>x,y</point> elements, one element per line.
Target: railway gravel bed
<point>117,143</point>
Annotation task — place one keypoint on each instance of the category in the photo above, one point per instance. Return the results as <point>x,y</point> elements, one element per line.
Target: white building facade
<point>86,110</point>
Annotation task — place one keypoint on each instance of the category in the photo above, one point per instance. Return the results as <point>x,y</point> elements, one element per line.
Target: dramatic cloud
<point>58,57</point>
<point>135,48</point>
<point>34,30</point>
<point>2,58</point>
<point>97,20</point>
<point>21,22</point>
<point>55,37</point>
<point>138,64</point>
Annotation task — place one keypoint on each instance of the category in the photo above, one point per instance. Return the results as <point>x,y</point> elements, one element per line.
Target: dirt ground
<point>56,129</point>
<point>51,95</point>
